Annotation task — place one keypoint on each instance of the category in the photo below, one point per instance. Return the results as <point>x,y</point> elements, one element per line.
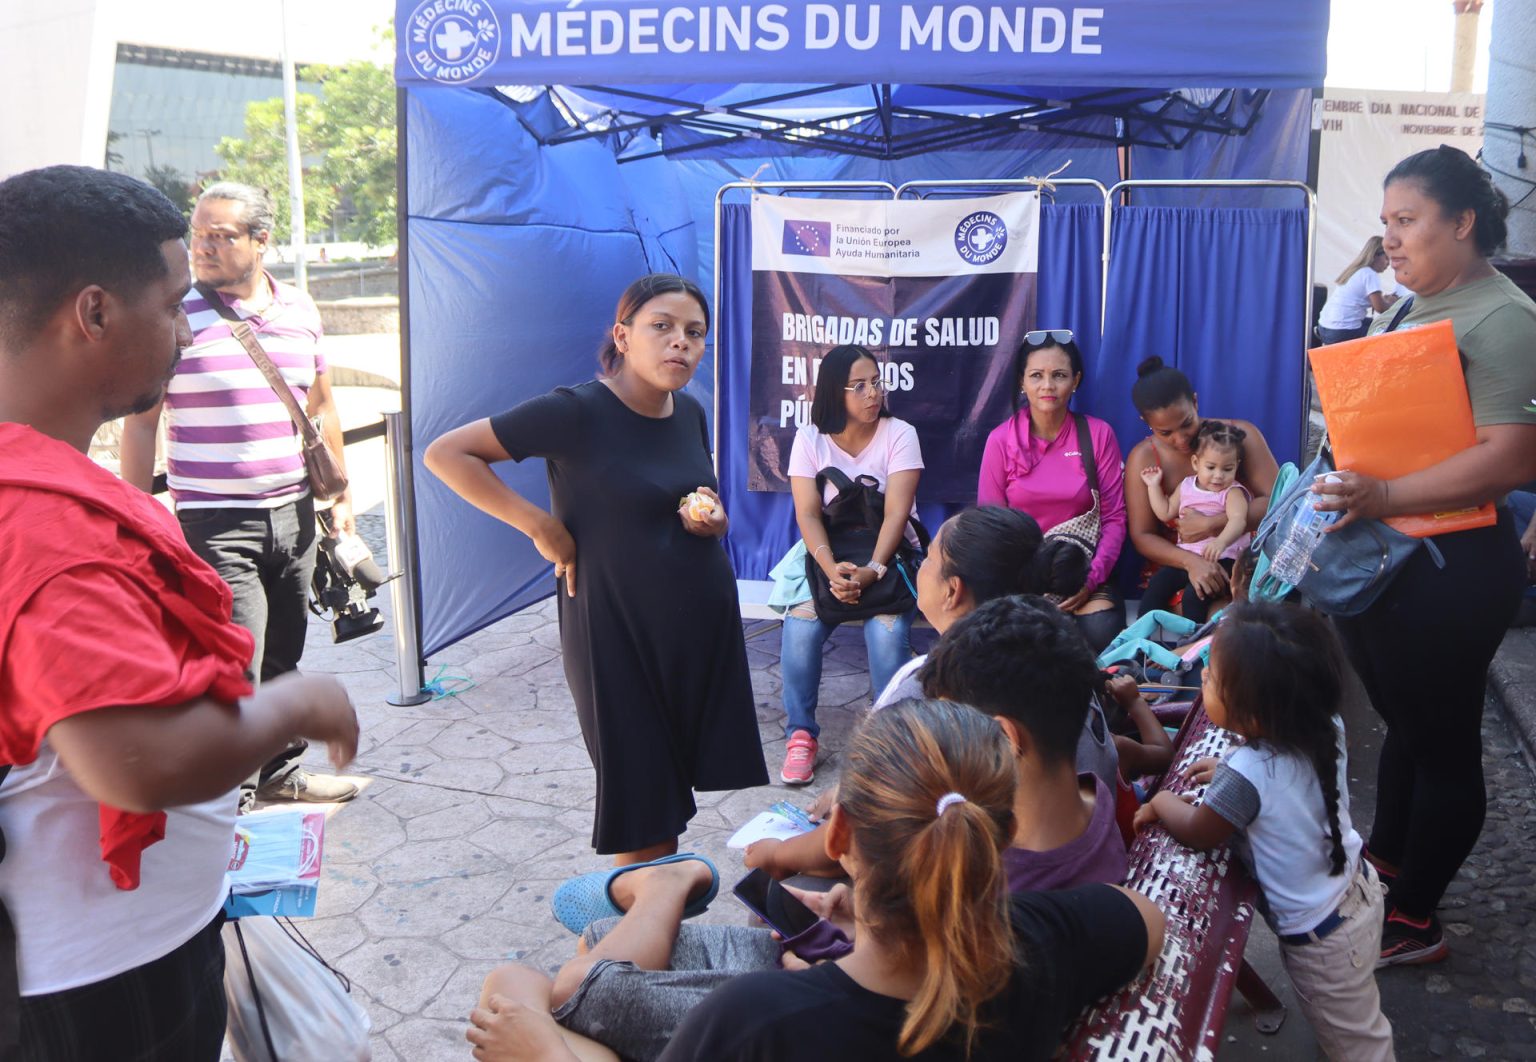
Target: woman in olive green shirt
<point>1424,647</point>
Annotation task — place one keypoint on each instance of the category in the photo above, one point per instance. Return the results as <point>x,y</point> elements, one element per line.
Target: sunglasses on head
<point>1044,335</point>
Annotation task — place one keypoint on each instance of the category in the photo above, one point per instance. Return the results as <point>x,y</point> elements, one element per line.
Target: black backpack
<point>853,520</point>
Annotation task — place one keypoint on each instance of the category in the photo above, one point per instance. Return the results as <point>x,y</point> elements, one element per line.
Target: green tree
<point>174,185</point>
<point>357,129</point>
<point>347,142</point>
<point>261,159</point>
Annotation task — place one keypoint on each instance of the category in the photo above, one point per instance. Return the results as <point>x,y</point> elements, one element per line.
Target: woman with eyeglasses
<point>1035,461</point>
<point>853,431</point>
<point>1359,293</point>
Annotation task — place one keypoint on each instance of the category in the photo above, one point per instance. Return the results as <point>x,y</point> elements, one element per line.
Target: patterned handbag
<point>1083,530</point>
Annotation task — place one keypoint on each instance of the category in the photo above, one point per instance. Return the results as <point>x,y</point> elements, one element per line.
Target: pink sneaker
<point>799,759</point>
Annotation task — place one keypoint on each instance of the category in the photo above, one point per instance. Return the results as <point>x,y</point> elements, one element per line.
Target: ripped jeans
<point>887,638</point>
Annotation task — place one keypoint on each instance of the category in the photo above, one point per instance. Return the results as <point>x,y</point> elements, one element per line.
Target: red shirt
<point>102,604</point>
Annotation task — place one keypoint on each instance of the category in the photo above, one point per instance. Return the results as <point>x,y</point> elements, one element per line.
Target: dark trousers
<point>168,1010</point>
<point>1100,628</point>
<point>1422,651</point>
<point>267,556</point>
<point>1165,585</point>
<point>1339,335</point>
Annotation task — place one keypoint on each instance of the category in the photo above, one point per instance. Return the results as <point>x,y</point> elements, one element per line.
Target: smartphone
<point>774,904</point>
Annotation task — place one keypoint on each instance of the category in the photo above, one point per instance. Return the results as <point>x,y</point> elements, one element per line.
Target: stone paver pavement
<point>477,805</point>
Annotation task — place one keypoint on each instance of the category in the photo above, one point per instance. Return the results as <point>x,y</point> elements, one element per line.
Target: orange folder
<point>1397,403</point>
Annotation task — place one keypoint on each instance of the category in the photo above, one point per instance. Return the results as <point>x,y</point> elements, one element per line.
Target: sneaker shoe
<point>799,759</point>
<point>298,784</point>
<point>1405,942</point>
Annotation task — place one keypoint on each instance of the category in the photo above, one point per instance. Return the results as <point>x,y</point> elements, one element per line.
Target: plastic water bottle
<point>1293,560</point>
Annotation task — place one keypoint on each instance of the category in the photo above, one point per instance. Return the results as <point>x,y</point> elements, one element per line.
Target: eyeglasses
<point>865,387</point>
<point>1053,335</point>
<point>217,239</point>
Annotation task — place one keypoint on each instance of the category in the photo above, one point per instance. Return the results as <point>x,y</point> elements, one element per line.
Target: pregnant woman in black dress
<point>649,622</point>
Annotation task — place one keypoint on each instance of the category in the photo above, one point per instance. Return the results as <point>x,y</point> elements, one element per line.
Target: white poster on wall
<point>1365,133</point>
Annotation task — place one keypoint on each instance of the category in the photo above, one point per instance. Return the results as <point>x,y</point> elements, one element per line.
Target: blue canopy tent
<point>550,154</point>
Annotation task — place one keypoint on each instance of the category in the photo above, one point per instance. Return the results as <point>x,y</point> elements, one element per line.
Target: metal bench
<point>1176,1009</point>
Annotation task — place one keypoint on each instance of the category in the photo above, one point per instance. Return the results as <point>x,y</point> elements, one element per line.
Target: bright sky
<point>1382,44</point>
<point>1399,44</point>
<point>321,31</point>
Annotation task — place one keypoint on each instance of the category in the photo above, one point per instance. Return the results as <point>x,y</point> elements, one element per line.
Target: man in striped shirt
<point>234,460</point>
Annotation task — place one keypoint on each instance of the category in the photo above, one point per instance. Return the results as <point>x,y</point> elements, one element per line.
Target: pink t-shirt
<point>1045,478</point>
<point>893,449</point>
<point>1210,503</point>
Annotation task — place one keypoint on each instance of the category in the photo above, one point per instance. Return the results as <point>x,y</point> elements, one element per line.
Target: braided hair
<point>1281,671</point>
<point>1222,435</point>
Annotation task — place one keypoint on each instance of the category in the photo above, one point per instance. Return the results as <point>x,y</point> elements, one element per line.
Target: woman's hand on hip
<point>1207,578</point>
<point>555,544</point>
<point>1356,495</point>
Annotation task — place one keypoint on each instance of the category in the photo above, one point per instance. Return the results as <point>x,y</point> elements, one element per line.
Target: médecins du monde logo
<point>980,237</point>
<point>453,41</point>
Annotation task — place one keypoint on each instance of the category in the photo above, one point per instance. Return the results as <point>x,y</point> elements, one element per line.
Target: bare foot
<point>690,879</point>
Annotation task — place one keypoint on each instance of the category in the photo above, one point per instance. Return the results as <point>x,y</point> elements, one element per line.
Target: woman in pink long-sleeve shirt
<point>1033,462</point>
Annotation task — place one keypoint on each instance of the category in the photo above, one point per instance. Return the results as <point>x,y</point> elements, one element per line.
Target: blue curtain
<point>763,524</point>
<point>514,272</point>
<point>1218,294</point>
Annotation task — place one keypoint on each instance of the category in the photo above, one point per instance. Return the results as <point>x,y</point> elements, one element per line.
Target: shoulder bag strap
<point>1402,311</point>
<point>242,332</point>
<point>1090,461</point>
<point>835,476</point>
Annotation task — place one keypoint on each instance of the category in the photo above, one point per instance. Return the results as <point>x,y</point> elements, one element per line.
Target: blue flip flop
<point>582,900</point>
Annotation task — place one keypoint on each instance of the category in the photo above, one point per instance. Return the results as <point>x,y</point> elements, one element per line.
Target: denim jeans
<point>1339,335</point>
<point>887,638</point>
<point>267,556</point>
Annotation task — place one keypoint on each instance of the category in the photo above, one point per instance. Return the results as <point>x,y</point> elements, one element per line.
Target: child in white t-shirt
<point>1276,678</point>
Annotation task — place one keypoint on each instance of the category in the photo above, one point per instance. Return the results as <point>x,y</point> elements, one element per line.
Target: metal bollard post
<point>400,538</point>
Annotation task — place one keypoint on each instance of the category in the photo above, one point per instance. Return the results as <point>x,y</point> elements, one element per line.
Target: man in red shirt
<point>125,713</point>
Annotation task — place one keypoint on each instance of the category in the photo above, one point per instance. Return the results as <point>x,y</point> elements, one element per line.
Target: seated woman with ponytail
<point>943,964</point>
<point>943,967</point>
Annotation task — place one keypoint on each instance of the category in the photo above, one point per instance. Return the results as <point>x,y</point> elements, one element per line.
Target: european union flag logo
<point>808,237</point>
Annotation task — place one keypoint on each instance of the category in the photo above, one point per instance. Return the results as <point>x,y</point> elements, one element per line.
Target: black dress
<point>652,640</point>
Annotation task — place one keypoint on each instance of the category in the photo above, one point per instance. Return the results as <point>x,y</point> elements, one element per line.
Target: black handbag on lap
<point>853,519</point>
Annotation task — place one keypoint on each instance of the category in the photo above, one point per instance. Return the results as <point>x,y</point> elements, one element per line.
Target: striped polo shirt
<point>229,440</point>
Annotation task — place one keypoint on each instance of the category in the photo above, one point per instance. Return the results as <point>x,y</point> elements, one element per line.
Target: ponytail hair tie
<point>948,800</point>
